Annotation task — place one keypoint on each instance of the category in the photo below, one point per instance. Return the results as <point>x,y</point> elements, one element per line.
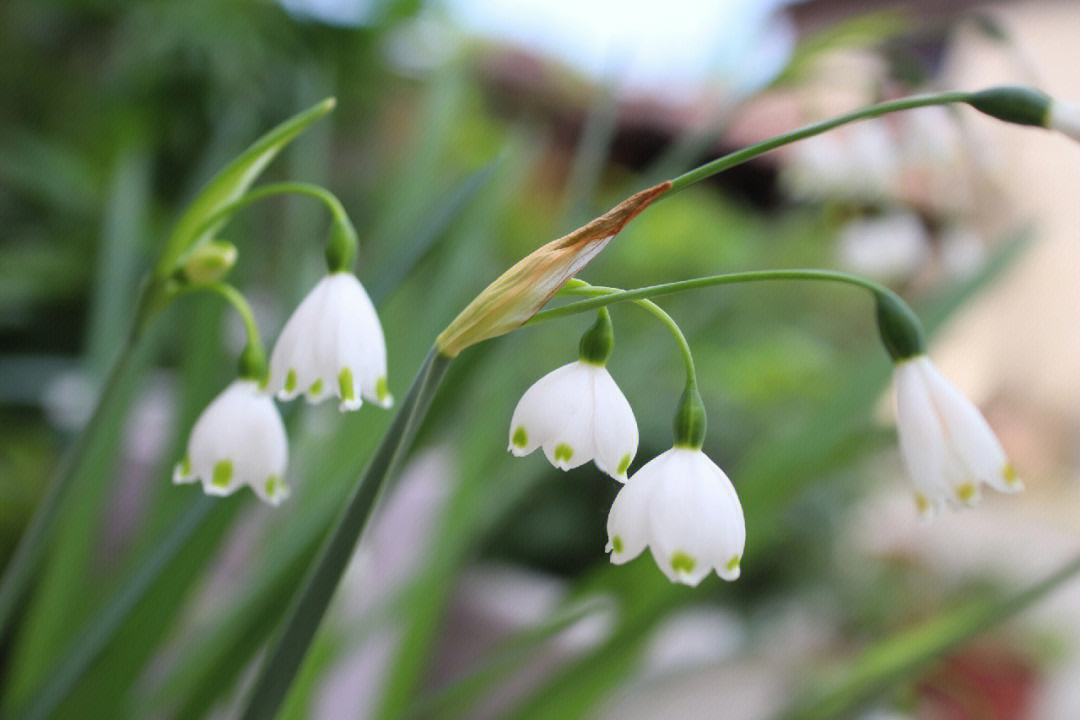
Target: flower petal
<point>922,441</point>
<point>627,526</point>
<point>968,432</point>
<point>615,431</point>
<point>238,440</point>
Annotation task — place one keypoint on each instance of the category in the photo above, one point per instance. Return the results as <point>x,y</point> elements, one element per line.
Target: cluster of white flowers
<point>332,345</point>
<point>680,504</point>
<point>684,508</point>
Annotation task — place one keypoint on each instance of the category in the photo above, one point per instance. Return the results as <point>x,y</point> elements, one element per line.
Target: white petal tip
<point>1011,482</point>
<point>349,405</point>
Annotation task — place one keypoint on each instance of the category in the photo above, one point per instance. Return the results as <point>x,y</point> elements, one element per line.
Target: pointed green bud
<point>1020,105</point>
<point>210,262</point>
<point>690,419</point>
<point>341,245</point>
<point>597,342</point>
<point>899,326</point>
<point>253,363</point>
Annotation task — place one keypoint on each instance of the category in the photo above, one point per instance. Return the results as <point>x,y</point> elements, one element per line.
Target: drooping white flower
<point>685,510</point>
<point>332,345</point>
<point>947,445</point>
<point>577,413</point>
<point>1064,116</point>
<point>238,440</point>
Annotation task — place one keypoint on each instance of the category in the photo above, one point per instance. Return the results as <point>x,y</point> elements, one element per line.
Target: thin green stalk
<point>94,638</point>
<point>580,287</point>
<point>327,198</point>
<point>748,153</point>
<point>710,281</point>
<point>34,544</point>
<point>289,649</point>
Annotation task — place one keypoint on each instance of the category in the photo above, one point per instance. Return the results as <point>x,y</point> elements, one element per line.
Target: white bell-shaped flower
<point>238,440</point>
<point>947,445</point>
<point>577,413</point>
<point>1064,116</point>
<point>685,510</point>
<point>332,345</point>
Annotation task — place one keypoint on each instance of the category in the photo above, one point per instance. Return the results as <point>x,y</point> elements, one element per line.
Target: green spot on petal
<point>922,504</point>
<point>617,544</point>
<point>563,452</point>
<point>624,465</point>
<point>733,563</point>
<point>290,381</point>
<point>316,388</point>
<point>273,486</point>
<point>681,562</point>
<point>345,385</point>
<point>966,492</point>
<point>382,390</point>
<point>184,466</point>
<point>222,474</point>
<point>1010,476</point>
<point>521,438</point>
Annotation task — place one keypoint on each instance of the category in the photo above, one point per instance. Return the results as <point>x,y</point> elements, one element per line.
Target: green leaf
<point>843,691</point>
<point>229,184</point>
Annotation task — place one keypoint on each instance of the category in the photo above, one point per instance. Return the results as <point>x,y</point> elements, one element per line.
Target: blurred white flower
<point>1064,116</point>
<point>332,345</point>
<point>685,509</point>
<point>887,248</point>
<point>577,413</point>
<point>855,164</point>
<point>238,440</point>
<point>947,445</point>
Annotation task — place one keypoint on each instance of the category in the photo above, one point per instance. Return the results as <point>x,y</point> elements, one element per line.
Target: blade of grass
<point>288,651</point>
<point>875,670</point>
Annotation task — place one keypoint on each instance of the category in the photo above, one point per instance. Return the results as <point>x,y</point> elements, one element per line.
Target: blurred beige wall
<point>1019,342</point>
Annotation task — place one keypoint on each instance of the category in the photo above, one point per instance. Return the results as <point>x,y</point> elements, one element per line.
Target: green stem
<point>748,153</point>
<point>253,358</point>
<point>580,287</point>
<point>710,281</point>
<point>337,210</point>
<point>288,650</point>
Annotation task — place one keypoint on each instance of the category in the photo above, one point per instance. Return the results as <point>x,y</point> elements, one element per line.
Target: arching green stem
<point>690,418</point>
<point>341,246</point>
<point>580,287</point>
<point>253,358</point>
<point>900,329</point>
<point>327,198</point>
<point>748,153</point>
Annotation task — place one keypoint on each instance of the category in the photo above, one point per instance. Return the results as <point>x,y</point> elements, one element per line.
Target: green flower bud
<point>690,419</point>
<point>341,245</point>
<point>598,341</point>
<point>253,363</point>
<point>900,329</point>
<point>1020,105</point>
<point>210,262</point>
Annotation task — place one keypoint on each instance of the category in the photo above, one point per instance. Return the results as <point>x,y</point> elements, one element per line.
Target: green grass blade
<point>288,651</point>
<point>85,650</point>
<point>880,667</point>
<point>230,183</point>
